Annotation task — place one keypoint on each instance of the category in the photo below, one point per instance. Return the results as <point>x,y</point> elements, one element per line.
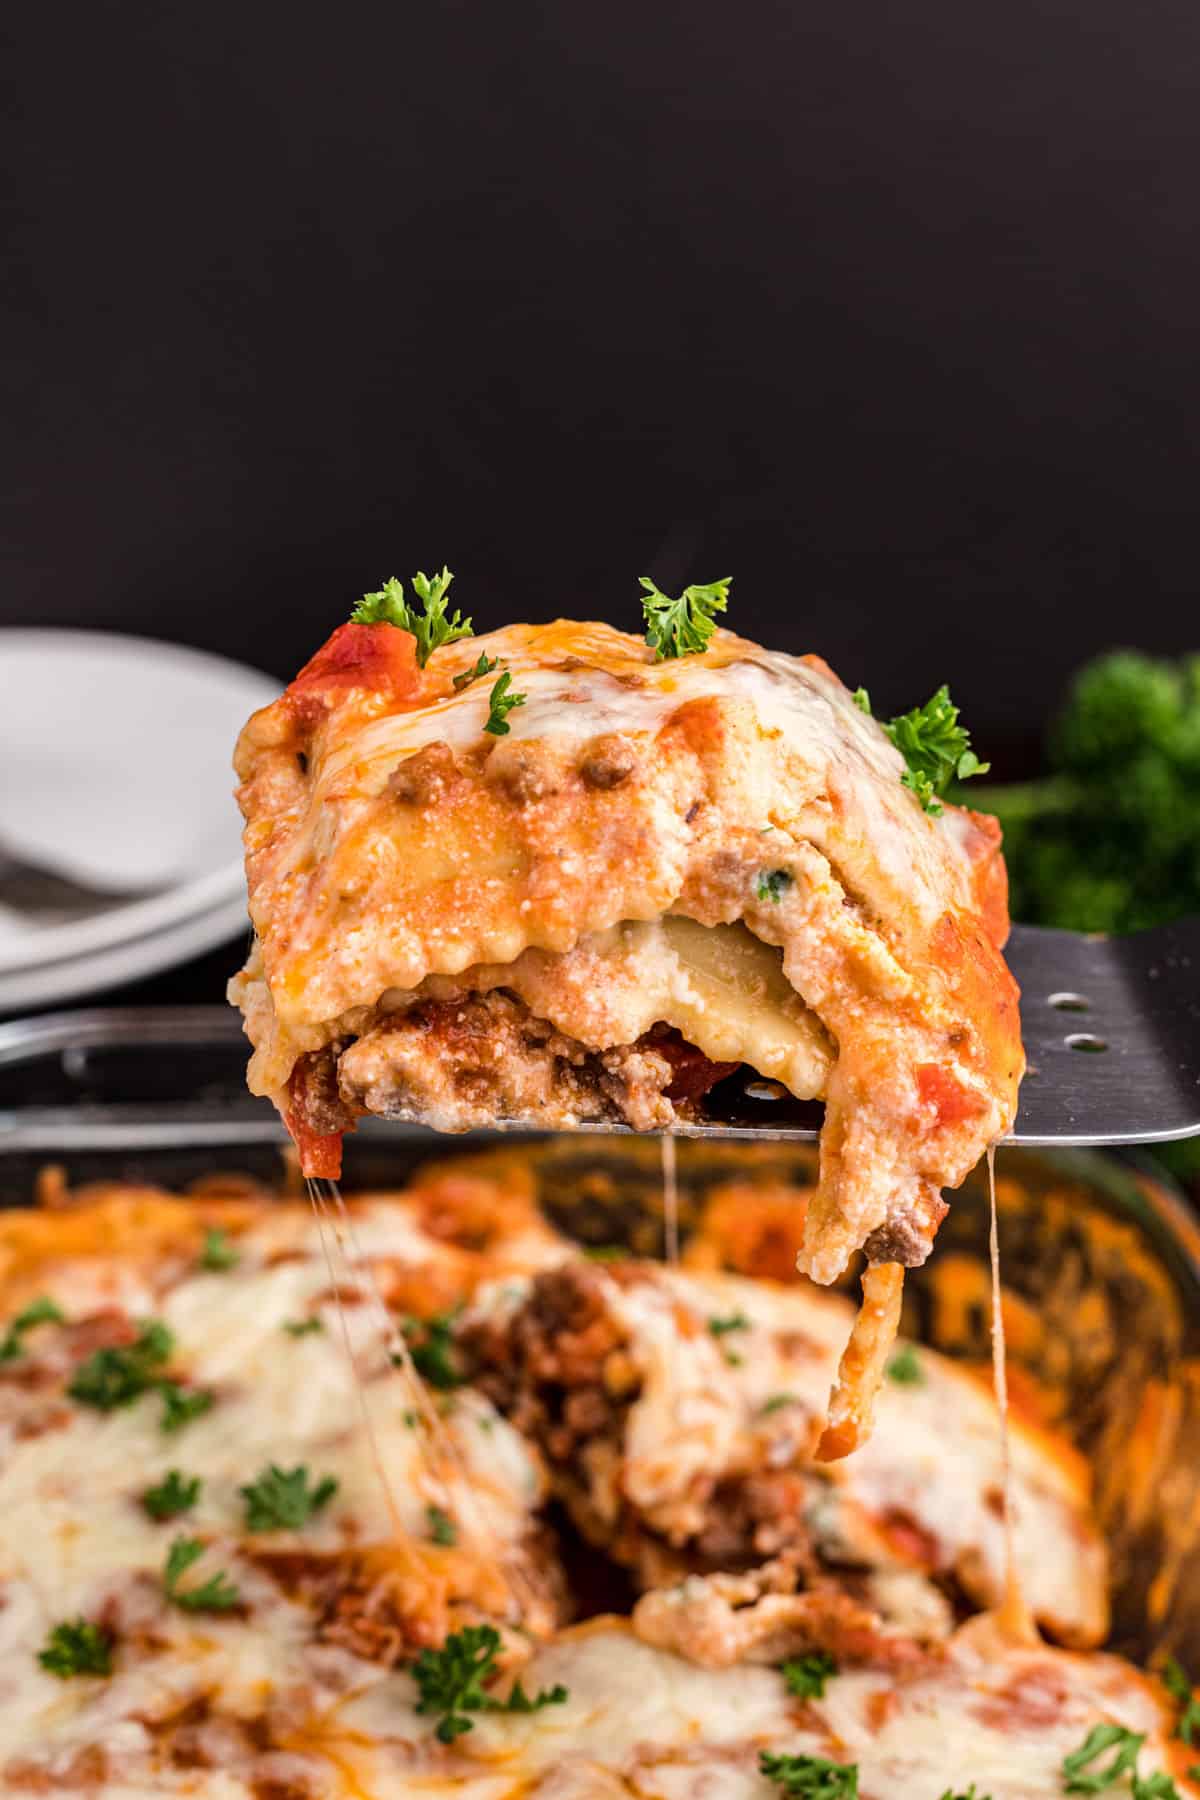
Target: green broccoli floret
<point>1109,840</point>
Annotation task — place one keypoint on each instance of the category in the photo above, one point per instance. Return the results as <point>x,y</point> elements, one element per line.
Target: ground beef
<point>466,1062</point>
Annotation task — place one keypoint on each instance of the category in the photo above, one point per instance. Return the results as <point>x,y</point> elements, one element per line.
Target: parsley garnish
<point>1178,1684</point>
<point>218,1253</point>
<point>172,1496</point>
<point>217,1594</point>
<point>442,1528</point>
<point>484,666</point>
<point>810,1777</point>
<point>605,1252</point>
<point>281,1499</point>
<point>773,884</point>
<point>112,1378</point>
<point>501,703</point>
<point>682,627</point>
<point>431,628</point>
<point>968,1794</point>
<point>77,1648</point>
<point>451,1680</point>
<point>38,1312</point>
<point>1100,1738</point>
<point>935,746</point>
<point>776,1402</point>
<point>905,1367</point>
<point>1125,1745</point>
<point>806,1675</point>
<point>431,1347</point>
<point>734,1321</point>
<point>180,1407</point>
<point>302,1327</point>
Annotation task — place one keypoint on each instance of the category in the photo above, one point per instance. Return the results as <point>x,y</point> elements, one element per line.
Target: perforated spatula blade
<point>1112,1035</point>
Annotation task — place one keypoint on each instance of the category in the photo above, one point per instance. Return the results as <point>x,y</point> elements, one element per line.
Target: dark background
<point>888,310</point>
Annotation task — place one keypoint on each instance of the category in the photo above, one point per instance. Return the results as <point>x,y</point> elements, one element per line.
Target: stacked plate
<point>120,850</point>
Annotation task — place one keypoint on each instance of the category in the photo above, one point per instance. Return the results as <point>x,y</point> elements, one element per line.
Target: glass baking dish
<point>1100,1256</point>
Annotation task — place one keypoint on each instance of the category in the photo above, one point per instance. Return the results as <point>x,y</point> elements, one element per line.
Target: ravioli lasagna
<point>299,1508</point>
<point>593,888</point>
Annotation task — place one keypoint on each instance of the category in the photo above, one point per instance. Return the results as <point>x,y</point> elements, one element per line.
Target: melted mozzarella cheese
<point>936,1459</point>
<point>76,1538</point>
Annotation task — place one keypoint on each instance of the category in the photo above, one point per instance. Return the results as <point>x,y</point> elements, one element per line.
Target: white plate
<point>116,754</point>
<point>45,984</point>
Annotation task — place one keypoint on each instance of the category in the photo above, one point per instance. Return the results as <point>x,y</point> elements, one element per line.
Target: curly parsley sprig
<point>77,1647</point>
<point>1081,1775</point>
<point>432,1349</point>
<point>431,627</point>
<point>682,627</point>
<point>113,1377</point>
<point>935,746</point>
<point>483,667</point>
<point>451,1682</point>
<point>806,1676</point>
<point>217,1594</point>
<point>810,1777</point>
<point>282,1499</point>
<point>175,1494</point>
<point>42,1311</point>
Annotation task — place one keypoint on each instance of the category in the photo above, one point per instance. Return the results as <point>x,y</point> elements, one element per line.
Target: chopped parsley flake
<point>777,1402</point>
<point>442,1528</point>
<point>77,1648</point>
<point>810,1777</point>
<point>500,704</point>
<point>181,1405</point>
<point>734,1321</point>
<point>965,1794</point>
<point>905,1367</point>
<point>1178,1684</point>
<point>281,1499</point>
<point>111,1378</point>
<point>173,1495</point>
<point>484,666</point>
<point>682,627</point>
<point>302,1327</point>
<point>450,1682</point>
<point>806,1675</point>
<point>42,1311</point>
<point>217,1594</point>
<point>430,627</point>
<point>773,884</point>
<point>431,1347</point>
<point>605,1252</point>
<point>218,1253</point>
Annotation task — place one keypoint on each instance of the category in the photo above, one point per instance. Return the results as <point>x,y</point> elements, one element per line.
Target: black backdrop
<point>889,310</point>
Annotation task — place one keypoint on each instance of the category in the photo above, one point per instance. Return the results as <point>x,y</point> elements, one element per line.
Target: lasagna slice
<point>644,877</point>
<point>679,1413</point>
